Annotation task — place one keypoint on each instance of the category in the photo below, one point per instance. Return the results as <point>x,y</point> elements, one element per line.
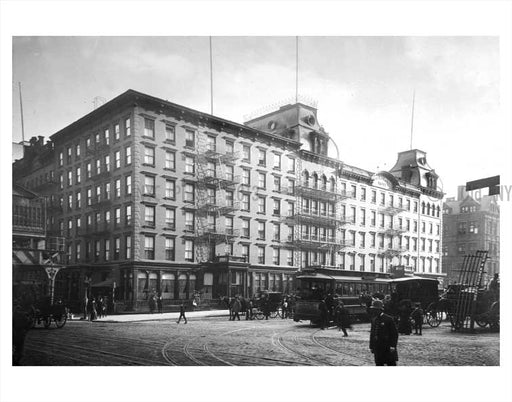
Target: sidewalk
<point>160,316</point>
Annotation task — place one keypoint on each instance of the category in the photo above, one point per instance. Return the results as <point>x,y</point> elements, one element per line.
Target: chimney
<point>461,193</point>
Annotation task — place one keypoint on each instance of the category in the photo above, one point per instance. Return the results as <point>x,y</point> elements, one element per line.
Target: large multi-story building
<point>156,197</point>
<point>469,225</point>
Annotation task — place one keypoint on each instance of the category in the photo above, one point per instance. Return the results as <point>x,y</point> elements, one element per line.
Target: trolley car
<point>355,292</point>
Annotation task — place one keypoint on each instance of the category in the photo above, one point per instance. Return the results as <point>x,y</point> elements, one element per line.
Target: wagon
<point>412,290</point>
<point>270,303</point>
<point>475,304</point>
<point>44,313</point>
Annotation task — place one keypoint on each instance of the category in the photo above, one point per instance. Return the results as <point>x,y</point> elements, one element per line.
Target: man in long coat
<point>383,336</point>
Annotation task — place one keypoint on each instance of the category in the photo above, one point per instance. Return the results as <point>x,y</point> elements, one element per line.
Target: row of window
<point>118,248</point>
<point>103,138</point>
<point>377,263</point>
<point>95,167</point>
<point>97,221</point>
<point>94,195</point>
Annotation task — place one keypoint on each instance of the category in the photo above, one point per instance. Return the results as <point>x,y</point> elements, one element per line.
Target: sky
<point>363,87</point>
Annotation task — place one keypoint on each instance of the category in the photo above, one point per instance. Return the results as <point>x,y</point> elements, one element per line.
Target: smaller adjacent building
<point>470,224</point>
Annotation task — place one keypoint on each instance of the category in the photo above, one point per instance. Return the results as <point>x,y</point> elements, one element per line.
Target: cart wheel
<point>434,318</point>
<point>259,315</point>
<point>496,323</point>
<point>47,321</point>
<point>481,322</point>
<point>60,320</point>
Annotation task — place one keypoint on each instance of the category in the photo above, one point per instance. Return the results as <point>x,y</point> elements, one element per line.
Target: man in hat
<point>383,336</point>
<point>417,316</point>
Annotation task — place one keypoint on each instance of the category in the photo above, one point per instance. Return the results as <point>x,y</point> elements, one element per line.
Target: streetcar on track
<point>356,293</point>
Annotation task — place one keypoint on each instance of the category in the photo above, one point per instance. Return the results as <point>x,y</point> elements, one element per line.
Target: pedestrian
<point>417,316</point>
<point>182,313</point>
<point>21,323</point>
<point>324,314</point>
<point>159,301</point>
<point>231,300</point>
<point>284,308</point>
<point>404,313</point>
<point>99,306</point>
<point>383,336</point>
<point>494,286</point>
<point>265,305</point>
<point>342,318</point>
<point>235,308</point>
<point>250,305</point>
<point>152,304</point>
<point>93,314</point>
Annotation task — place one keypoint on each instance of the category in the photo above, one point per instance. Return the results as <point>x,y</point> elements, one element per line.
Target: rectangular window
<point>245,228</point>
<point>61,159</point>
<point>169,248</point>
<point>189,221</point>
<point>128,247</point>
<point>88,170</point>
<point>107,163</point>
<point>77,151</point>
<point>190,140</point>
<point>170,160</point>
<point>275,256</point>
<point>170,189</point>
<point>189,165</point>
<point>170,133</point>
<point>149,215</point>
<point>261,230</point>
<point>277,207</point>
<point>230,147</point>
<point>117,159</point>
<point>149,247</point>
<point>106,134</point>
<point>261,255</point>
<point>117,184</point>
<point>262,178</point>
<point>291,164</point>
<point>289,257</point>
<point>116,132</point>
<point>245,206</point>
<point>277,184</point>
<point>262,157</point>
<point>189,192</point>
<point>107,249</point>
<point>128,185</point>
<point>149,156</point>
<point>97,250</point>
<point>189,250</point>
<point>89,197</point>
<point>229,199</point>
<point>170,218</point>
<point>149,185</point>
<point>128,215</point>
<point>230,172</point>
<point>261,205</point>
<point>117,217</point>
<point>211,144</point>
<point>277,161</point>
<point>70,178</point>
<point>78,202</point>
<point>149,128</point>
<point>127,127</point>
<point>374,197</point>
<point>128,155</point>
<point>246,153</point>
<point>277,232</point>
<point>363,194</point>
<point>98,166</point>
<point>246,177</point>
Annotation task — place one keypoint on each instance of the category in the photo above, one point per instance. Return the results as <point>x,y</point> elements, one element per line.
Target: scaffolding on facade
<point>214,198</point>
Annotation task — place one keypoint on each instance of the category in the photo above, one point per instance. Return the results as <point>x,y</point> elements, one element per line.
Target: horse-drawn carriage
<point>268,304</point>
<point>44,312</point>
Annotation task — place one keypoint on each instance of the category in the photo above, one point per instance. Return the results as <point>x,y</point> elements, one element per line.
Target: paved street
<point>215,341</point>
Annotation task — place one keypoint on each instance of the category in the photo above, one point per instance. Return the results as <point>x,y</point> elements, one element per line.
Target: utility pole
<point>21,109</point>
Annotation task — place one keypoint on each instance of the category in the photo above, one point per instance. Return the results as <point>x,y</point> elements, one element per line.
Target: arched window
<point>332,184</point>
<point>315,180</point>
<point>324,182</point>
<point>428,209</point>
<point>305,178</point>
<point>423,208</point>
<point>438,211</point>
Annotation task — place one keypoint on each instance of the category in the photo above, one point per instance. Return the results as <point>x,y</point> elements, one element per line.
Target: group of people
<point>330,308</point>
<point>155,302</point>
<point>239,305</point>
<point>96,307</point>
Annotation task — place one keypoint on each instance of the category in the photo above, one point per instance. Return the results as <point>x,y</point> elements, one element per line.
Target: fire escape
<point>214,199</point>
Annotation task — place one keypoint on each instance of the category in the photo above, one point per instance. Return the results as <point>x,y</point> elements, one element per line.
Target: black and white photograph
<point>254,213</point>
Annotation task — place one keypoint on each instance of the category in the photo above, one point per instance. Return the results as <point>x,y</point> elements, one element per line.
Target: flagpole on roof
<point>412,116</point>
<point>211,78</point>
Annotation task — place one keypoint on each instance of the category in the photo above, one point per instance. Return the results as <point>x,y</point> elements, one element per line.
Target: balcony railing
<point>394,231</point>
<point>391,210</point>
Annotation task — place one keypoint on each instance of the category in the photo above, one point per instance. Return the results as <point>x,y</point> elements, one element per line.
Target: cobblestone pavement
<point>215,341</point>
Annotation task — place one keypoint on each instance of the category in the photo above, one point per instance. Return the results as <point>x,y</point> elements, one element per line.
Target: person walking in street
<point>383,336</point>
<point>248,314</point>
<point>159,302</point>
<point>284,308</point>
<point>99,306</point>
<point>324,314</point>
<point>417,316</point>
<point>235,308</point>
<point>404,313</point>
<point>21,323</point>
<point>342,318</point>
<point>182,313</point>
<point>152,304</point>
<point>93,314</point>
